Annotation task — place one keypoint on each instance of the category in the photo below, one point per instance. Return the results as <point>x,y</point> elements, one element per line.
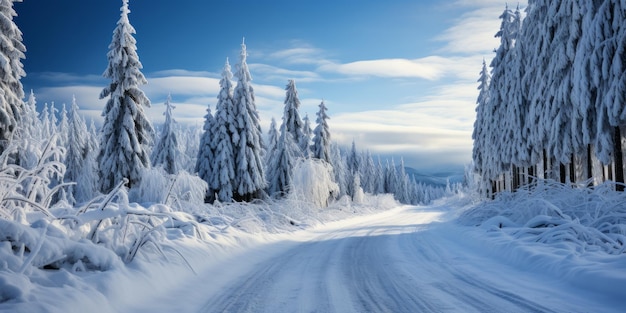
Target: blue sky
<point>399,77</point>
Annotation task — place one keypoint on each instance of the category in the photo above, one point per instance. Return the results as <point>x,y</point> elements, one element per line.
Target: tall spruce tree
<point>249,182</point>
<point>481,133</point>
<point>12,70</point>
<point>166,153</point>
<point>610,57</point>
<point>292,123</point>
<point>126,132</point>
<point>77,151</point>
<point>321,135</point>
<point>205,162</point>
<point>223,175</point>
<point>305,141</point>
<point>282,162</point>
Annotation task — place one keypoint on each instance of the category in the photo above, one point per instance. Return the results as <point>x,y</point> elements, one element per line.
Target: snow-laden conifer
<point>249,181</point>
<point>31,124</point>
<point>307,135</point>
<point>45,122</point>
<point>166,153</point>
<point>481,135</point>
<point>321,135</point>
<point>77,151</point>
<point>225,127</point>
<point>126,133</point>
<point>501,157</point>
<point>292,122</point>
<point>11,71</point>
<point>340,169</point>
<point>609,59</point>
<point>282,162</point>
<point>206,153</point>
<point>63,127</point>
<point>272,140</point>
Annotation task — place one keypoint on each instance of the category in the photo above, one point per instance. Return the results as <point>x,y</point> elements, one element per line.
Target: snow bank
<point>578,234</point>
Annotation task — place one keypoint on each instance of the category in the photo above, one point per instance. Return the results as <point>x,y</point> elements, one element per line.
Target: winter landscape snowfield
<point>378,256</point>
<point>118,218</point>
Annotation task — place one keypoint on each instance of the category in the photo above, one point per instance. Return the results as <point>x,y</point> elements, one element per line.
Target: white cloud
<point>430,68</point>
<point>302,53</point>
<point>273,73</point>
<point>474,31</point>
<point>182,86</point>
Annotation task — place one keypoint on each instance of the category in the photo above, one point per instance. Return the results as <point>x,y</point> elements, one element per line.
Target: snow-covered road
<point>402,260</point>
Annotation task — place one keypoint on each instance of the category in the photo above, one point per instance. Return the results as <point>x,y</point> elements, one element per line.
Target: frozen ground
<point>407,259</point>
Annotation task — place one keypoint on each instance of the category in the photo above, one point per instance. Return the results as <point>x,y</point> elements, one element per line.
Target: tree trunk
<point>545,164</point>
<point>562,173</point>
<point>531,173</point>
<point>572,169</point>
<point>619,159</point>
<point>589,165</point>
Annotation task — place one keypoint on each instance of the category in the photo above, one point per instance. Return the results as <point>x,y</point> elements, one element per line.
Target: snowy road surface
<point>398,261</point>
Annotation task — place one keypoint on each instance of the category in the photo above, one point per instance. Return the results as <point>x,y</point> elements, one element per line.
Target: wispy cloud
<point>428,68</point>
<point>274,73</point>
<point>474,31</point>
<point>302,53</point>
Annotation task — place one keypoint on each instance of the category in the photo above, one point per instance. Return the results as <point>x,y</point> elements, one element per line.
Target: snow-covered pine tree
<point>380,181</point>
<point>282,162</point>
<point>53,121</point>
<point>536,44</point>
<point>249,182</point>
<point>340,169</point>
<point>391,177</point>
<point>63,127</point>
<point>166,153</point>
<point>77,150</point>
<point>45,122</point>
<point>305,142</point>
<point>565,22</point>
<point>402,191</point>
<point>369,176</point>
<point>321,137</point>
<point>223,169</point>
<point>353,165</point>
<point>272,140</point>
<point>29,134</point>
<point>31,125</point>
<point>292,122</point>
<point>584,90</point>
<point>481,134</point>
<point>126,133</point>
<point>500,156</point>
<point>206,154</point>
<point>12,70</point>
<point>610,59</point>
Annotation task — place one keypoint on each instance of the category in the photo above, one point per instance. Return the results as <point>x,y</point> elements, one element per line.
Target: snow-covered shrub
<point>153,186</point>
<point>178,191</point>
<point>581,219</point>
<point>186,188</point>
<point>313,182</point>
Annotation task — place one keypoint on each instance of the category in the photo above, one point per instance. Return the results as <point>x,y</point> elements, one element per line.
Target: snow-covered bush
<point>579,219</point>
<point>313,182</point>
<point>157,186</point>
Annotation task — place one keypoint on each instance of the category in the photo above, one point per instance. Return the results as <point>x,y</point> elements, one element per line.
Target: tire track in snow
<point>390,264</point>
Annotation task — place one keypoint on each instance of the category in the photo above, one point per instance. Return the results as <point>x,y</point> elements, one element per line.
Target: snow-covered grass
<point>576,234</point>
